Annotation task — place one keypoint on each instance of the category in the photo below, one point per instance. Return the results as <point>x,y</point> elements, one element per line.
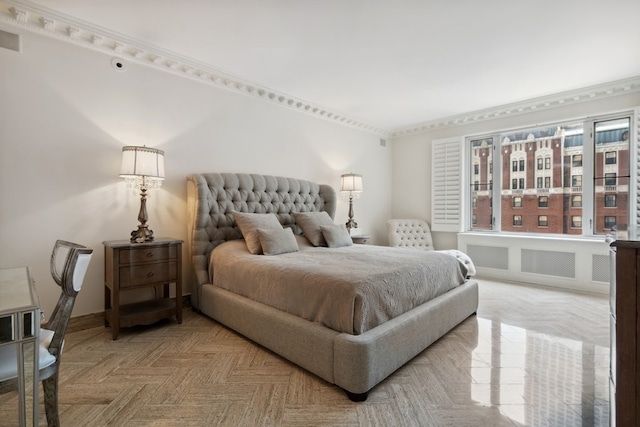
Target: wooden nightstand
<point>130,266</point>
<point>360,239</point>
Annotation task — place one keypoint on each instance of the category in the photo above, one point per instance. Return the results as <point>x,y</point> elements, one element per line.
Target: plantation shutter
<point>446,179</point>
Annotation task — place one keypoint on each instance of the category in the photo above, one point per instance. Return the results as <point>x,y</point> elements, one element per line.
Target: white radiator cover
<point>569,263</point>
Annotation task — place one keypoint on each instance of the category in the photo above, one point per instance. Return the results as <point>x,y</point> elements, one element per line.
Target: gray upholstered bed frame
<point>355,363</point>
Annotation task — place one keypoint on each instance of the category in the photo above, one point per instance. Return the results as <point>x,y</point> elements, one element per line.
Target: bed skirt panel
<point>307,344</point>
<point>362,361</point>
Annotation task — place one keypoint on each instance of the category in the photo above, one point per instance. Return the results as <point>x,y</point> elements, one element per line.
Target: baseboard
<point>95,320</point>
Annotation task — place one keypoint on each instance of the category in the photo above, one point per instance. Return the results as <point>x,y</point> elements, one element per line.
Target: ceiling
<point>390,63</point>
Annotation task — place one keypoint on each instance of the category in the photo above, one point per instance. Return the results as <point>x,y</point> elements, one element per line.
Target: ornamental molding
<point>38,19</point>
<point>619,87</point>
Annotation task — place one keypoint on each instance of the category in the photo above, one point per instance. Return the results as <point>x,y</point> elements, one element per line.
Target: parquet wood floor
<point>532,356</point>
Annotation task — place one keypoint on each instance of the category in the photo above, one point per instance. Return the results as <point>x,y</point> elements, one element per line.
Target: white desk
<point>20,328</point>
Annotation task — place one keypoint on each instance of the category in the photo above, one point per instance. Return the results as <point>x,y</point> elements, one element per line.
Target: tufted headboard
<point>211,197</point>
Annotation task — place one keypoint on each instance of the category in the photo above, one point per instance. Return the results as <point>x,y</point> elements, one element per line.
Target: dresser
<point>624,302</point>
<point>152,266</point>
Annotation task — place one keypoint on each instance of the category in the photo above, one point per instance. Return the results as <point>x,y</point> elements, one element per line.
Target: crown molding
<point>591,93</point>
<point>35,18</point>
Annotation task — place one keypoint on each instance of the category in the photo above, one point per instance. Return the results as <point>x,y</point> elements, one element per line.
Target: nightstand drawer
<point>147,274</point>
<point>148,254</point>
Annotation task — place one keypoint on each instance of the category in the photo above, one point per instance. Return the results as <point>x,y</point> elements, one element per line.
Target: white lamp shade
<point>142,161</point>
<point>351,182</point>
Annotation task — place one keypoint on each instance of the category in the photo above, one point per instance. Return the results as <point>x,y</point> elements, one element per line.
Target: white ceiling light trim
<point>35,18</point>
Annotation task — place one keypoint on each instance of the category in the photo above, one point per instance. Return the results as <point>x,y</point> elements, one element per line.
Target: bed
<point>354,354</point>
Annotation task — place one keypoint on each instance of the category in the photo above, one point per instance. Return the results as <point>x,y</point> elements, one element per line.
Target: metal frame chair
<point>68,264</point>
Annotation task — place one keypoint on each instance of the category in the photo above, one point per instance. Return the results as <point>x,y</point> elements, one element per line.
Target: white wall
<point>65,113</point>
<point>411,155</point>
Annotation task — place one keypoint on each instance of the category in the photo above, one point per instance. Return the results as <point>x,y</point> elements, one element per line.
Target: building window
<point>609,222</point>
<point>577,160</point>
<point>543,202</point>
<point>476,185</point>
<point>610,179</point>
<point>576,181</point>
<point>476,169</point>
<point>576,201</point>
<point>580,160</point>
<point>576,221</point>
<point>517,202</point>
<point>609,200</point>
<point>474,202</point>
<point>474,219</point>
<point>517,220</point>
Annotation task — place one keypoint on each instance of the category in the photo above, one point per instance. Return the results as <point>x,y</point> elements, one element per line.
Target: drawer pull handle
<point>150,255</point>
<point>150,274</point>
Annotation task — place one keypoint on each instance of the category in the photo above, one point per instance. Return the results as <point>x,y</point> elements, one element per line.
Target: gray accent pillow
<point>310,223</point>
<point>276,242</point>
<point>336,236</point>
<point>248,223</point>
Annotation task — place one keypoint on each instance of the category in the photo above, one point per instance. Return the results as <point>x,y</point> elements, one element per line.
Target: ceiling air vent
<point>9,41</point>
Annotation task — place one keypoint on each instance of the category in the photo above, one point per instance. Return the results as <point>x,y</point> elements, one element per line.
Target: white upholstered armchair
<point>416,234</point>
<point>409,233</point>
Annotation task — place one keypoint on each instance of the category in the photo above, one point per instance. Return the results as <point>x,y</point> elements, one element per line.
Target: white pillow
<point>336,236</point>
<point>276,242</point>
<point>248,223</point>
<point>310,223</point>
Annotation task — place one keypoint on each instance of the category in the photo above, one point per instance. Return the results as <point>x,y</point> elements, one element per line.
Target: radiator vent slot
<point>489,256</point>
<point>548,263</point>
<point>600,268</point>
<point>9,41</point>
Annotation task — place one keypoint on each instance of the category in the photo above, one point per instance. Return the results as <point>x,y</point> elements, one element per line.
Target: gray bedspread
<point>351,289</point>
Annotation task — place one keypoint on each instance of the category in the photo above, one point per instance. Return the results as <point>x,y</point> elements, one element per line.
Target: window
<point>476,185</point>
<point>517,202</point>
<point>577,160</point>
<point>543,202</point>
<point>576,180</point>
<point>581,169</point>
<point>610,201</point>
<point>609,222</point>
<point>476,169</point>
<point>610,179</point>
<point>475,202</point>
<point>576,221</point>
<point>576,201</point>
<point>474,219</point>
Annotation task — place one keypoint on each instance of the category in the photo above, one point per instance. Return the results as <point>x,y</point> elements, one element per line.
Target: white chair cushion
<point>9,356</point>
<point>409,233</point>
